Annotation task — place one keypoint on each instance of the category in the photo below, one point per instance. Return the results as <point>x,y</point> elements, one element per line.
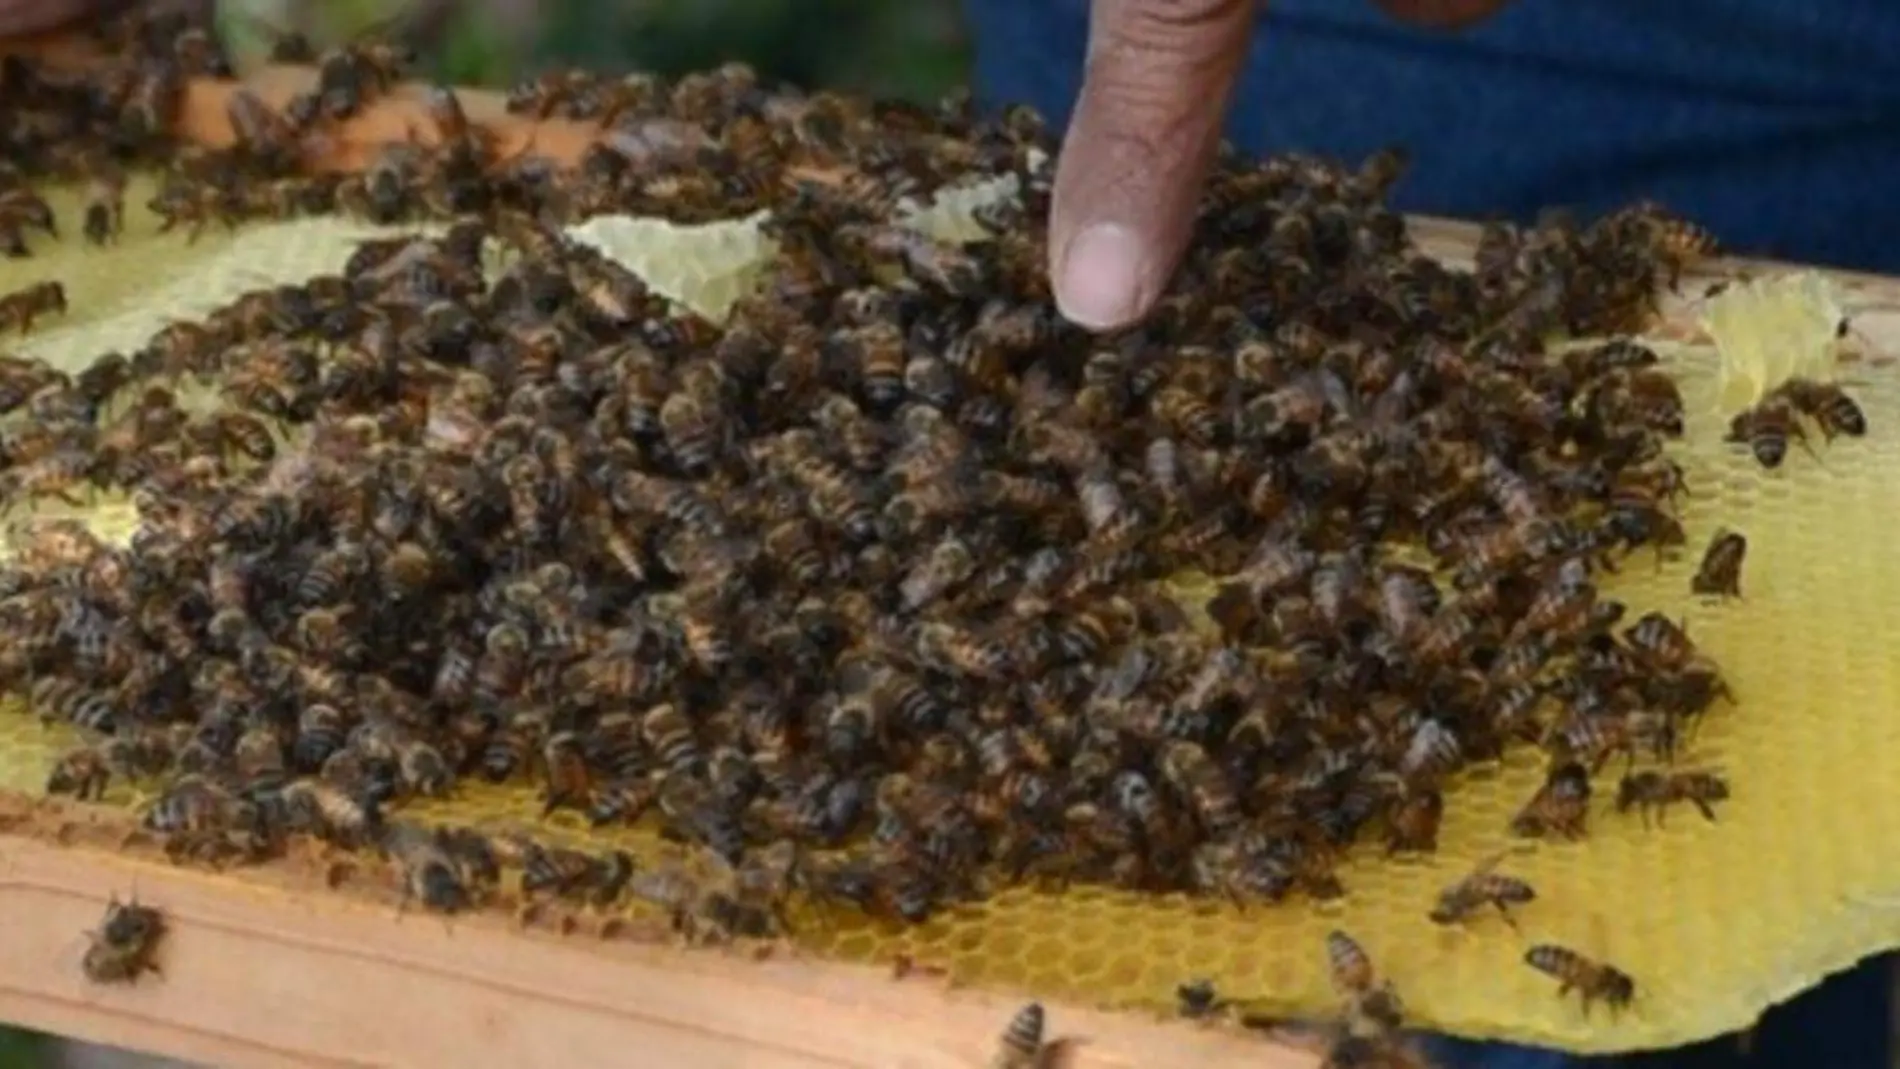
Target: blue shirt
<point>1774,122</point>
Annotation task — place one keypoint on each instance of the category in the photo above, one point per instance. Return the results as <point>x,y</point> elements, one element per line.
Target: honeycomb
<point>1716,921</point>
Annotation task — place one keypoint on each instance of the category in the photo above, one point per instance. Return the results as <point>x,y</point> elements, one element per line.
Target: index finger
<point>1148,123</point>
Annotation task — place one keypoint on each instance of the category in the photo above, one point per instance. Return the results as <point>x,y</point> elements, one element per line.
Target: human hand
<point>21,17</point>
<point>1147,125</point>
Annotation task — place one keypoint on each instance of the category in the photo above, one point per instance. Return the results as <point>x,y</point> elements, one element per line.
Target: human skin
<point>1154,93</point>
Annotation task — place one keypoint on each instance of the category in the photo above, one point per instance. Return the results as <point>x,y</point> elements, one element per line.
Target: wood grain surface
<point>254,975</point>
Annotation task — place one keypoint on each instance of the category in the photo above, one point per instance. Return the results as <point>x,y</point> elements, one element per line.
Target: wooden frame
<point>254,975</point>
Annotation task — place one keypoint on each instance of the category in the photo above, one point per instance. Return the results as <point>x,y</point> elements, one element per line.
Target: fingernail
<point>1101,277</point>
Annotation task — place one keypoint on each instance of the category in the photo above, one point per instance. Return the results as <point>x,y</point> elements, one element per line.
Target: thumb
<point>1148,123</point>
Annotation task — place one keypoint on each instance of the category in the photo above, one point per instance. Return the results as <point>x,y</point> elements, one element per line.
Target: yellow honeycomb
<point>1716,921</point>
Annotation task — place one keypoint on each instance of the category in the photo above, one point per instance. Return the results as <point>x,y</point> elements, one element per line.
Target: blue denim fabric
<point>1777,124</point>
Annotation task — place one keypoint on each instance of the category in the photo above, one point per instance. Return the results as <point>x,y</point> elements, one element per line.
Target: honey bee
<point>423,768</point>
<point>1593,980</point>
<point>1368,997</point>
<point>1680,243</point>
<point>193,206</point>
<point>1720,574</point>
<point>1414,820</point>
<point>22,210</point>
<point>430,871</point>
<point>1350,1050</point>
<point>1560,807</point>
<point>205,822</point>
<point>1481,887</point>
<point>553,94</point>
<point>596,880</point>
<point>697,912</point>
<point>569,781</point>
<point>60,698</point>
<point>262,134</point>
<point>1023,1044</point>
<point>1652,793</point>
<point>327,810</point>
<point>19,309</point>
<point>351,76</point>
<point>928,261</point>
<point>125,945</point>
<point>83,773</point>
<point>1828,405</point>
<point>1766,429</point>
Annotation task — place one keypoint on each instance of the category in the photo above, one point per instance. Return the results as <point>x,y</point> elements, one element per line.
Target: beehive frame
<point>1449,241</point>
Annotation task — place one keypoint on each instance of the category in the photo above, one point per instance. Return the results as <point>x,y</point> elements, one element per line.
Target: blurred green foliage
<point>20,1049</point>
<point>907,48</point>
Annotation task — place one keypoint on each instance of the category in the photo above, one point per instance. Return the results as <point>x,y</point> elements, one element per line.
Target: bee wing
<point>1487,865</point>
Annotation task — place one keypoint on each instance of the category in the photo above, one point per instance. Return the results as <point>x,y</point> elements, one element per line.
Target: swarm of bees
<point>857,593</point>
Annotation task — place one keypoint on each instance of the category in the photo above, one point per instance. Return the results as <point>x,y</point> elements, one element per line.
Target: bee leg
<point>1504,911</point>
<point>338,872</point>
<point>1703,807</point>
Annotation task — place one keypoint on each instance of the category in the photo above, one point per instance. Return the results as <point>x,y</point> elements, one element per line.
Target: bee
<point>1720,574</point>
<point>1024,1044</point>
<point>21,210</point>
<point>330,812</point>
<point>925,259</point>
<point>596,880</point>
<point>553,94</point>
<point>453,130</point>
<point>1593,980</point>
<point>382,193</point>
<point>1651,792</point>
<point>125,944</point>
<point>350,76</point>
<point>1413,821</point>
<point>1661,641</point>
<point>697,912</point>
<point>423,768</point>
<point>263,134</point>
<point>1560,807</point>
<point>1827,405</point>
<point>1766,429</point>
<point>203,821</point>
<point>83,773</point>
<point>1199,999</point>
<point>569,782</point>
<point>430,872</point>
<point>1678,242</point>
<point>58,698</point>
<point>1368,997</point>
<point>19,309</point>
<point>1350,1050</point>
<point>1481,887</point>
<point>193,206</point>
